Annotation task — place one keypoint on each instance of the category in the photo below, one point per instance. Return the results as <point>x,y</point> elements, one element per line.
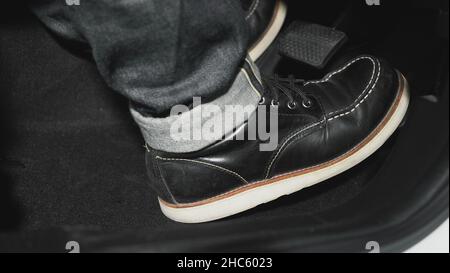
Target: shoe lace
<point>289,86</point>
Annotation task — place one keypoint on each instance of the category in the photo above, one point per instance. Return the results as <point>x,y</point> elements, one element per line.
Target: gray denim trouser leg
<point>161,53</point>
<point>157,53</point>
<point>158,132</point>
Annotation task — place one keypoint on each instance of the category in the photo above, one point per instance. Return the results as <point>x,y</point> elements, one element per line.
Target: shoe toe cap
<point>360,92</point>
<point>354,99</point>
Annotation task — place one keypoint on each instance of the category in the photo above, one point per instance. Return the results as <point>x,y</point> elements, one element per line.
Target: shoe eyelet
<point>273,103</point>
<point>292,105</point>
<point>262,101</point>
<point>307,103</point>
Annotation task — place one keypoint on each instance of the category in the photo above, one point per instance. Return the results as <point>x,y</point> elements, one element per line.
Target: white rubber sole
<point>271,32</point>
<point>239,201</point>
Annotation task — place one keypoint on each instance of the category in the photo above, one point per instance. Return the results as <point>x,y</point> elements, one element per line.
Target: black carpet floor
<point>70,154</point>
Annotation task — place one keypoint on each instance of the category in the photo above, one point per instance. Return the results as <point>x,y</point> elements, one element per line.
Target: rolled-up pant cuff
<point>185,132</point>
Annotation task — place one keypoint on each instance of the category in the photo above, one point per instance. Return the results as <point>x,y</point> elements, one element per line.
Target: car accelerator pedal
<point>310,43</point>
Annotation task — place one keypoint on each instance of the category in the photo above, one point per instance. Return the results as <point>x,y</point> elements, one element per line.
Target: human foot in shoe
<point>325,127</point>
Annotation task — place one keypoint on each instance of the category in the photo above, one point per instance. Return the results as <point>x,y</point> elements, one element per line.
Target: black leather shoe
<point>265,19</point>
<point>325,127</point>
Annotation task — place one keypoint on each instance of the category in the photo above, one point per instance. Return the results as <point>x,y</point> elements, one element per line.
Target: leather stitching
<point>163,180</point>
<point>331,74</point>
<point>287,140</point>
<point>328,118</point>
<point>253,9</point>
<point>359,101</point>
<point>206,164</point>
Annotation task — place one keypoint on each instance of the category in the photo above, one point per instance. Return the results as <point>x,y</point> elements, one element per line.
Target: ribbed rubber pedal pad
<point>311,43</point>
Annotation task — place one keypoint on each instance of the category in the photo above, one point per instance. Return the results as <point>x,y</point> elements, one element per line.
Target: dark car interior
<point>71,158</point>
